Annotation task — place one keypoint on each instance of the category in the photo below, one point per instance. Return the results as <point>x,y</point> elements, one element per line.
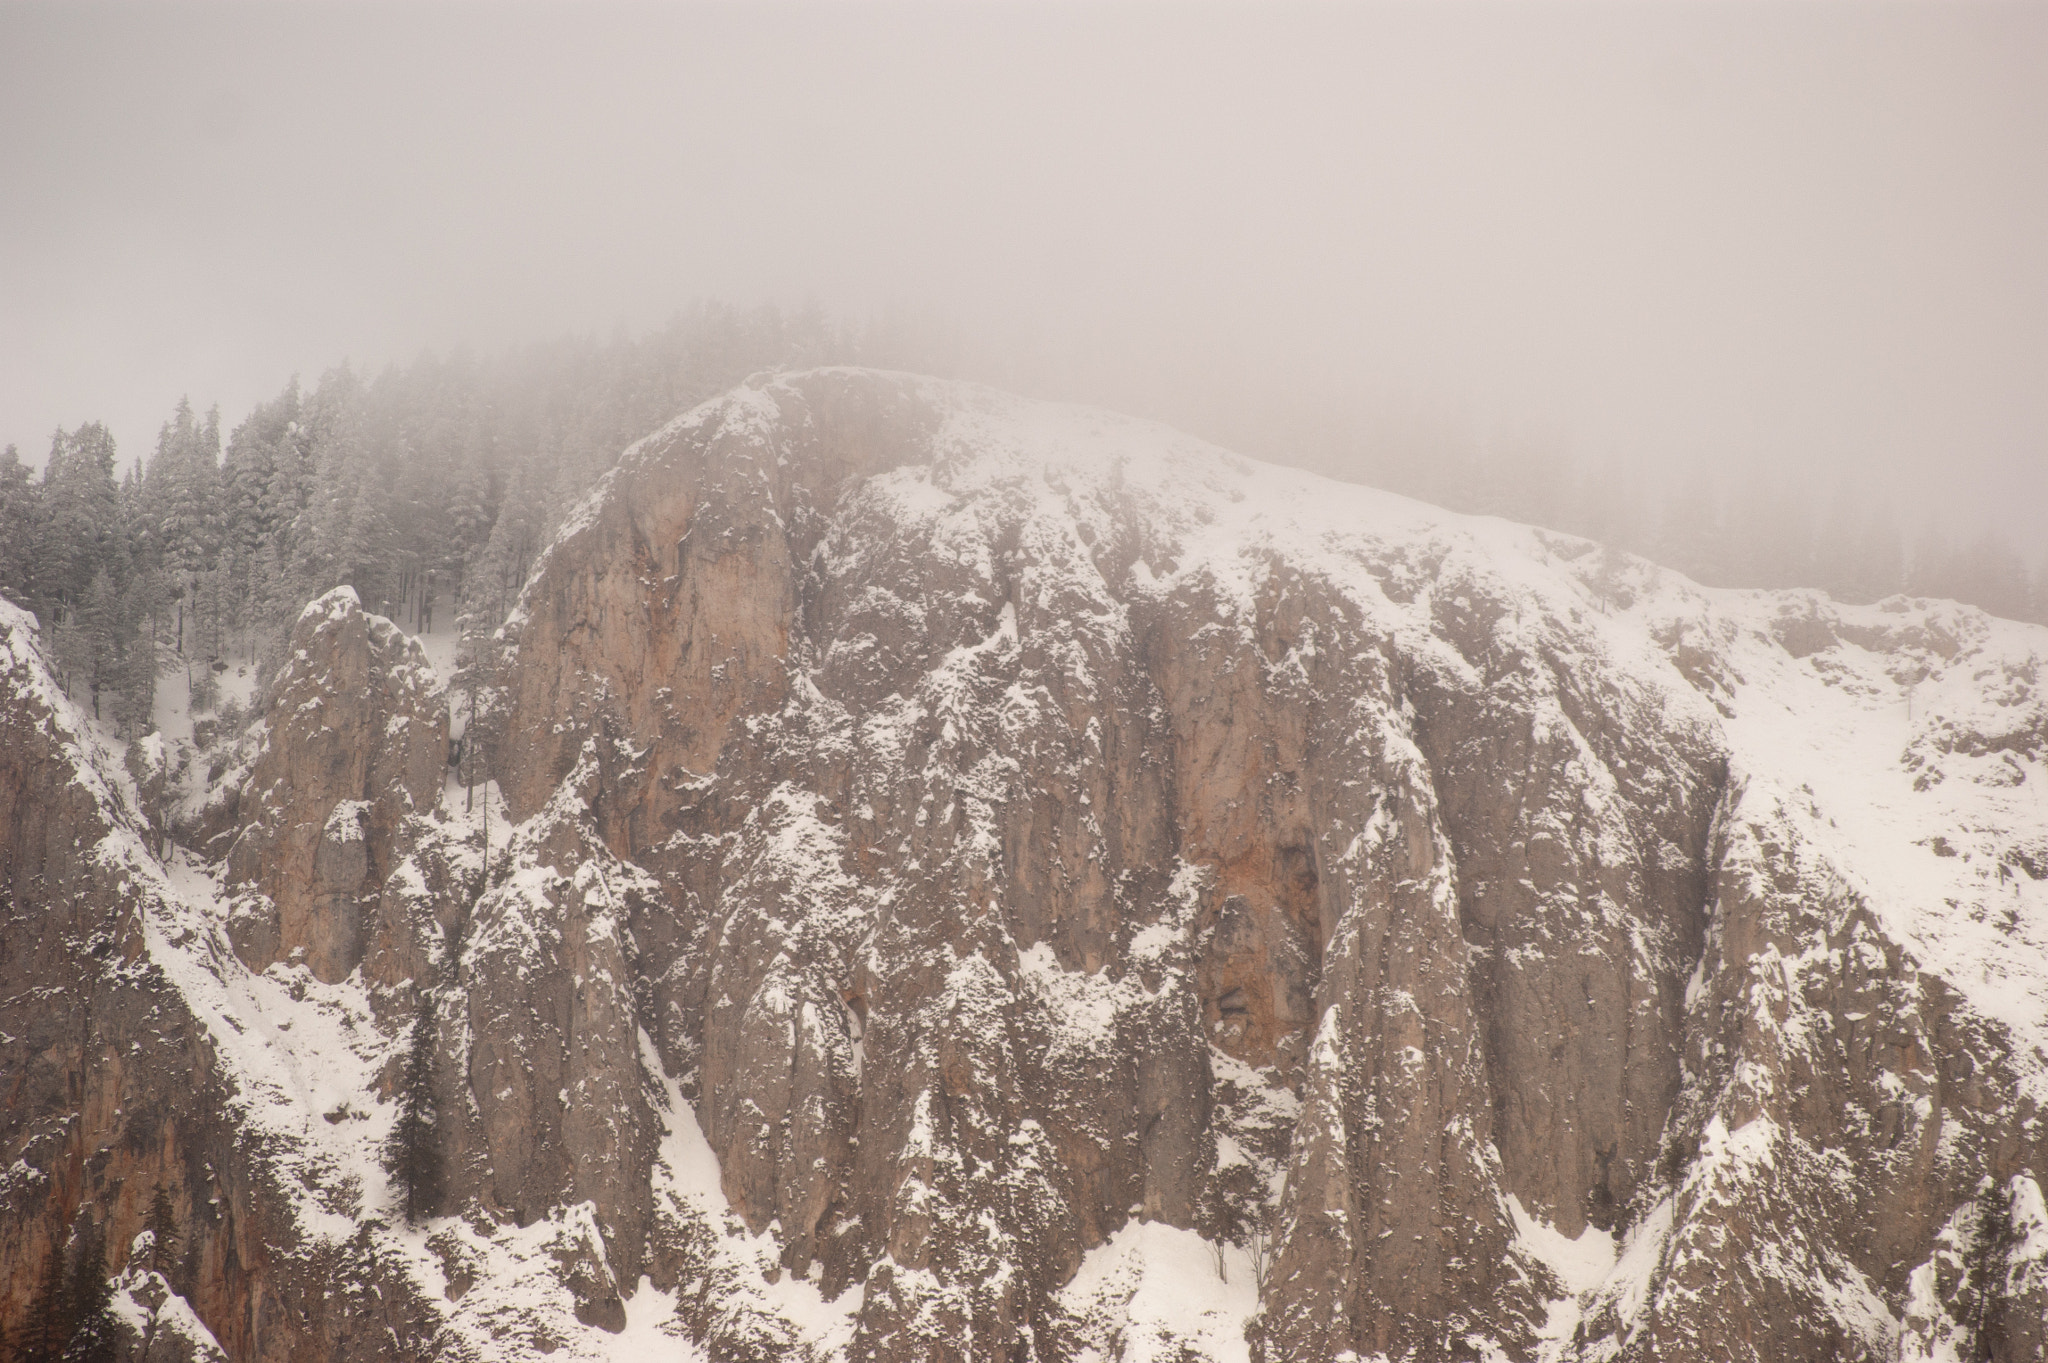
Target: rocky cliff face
<point>975,879</point>
<point>355,742</point>
<point>134,1054</point>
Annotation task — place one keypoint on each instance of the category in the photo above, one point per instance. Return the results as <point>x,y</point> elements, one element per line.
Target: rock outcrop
<point>355,741</point>
<point>126,1070</point>
<point>956,865</point>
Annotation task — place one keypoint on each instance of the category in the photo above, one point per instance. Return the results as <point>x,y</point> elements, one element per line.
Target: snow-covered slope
<point>976,878</point>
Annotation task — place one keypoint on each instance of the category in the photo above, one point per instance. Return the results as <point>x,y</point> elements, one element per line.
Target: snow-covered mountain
<point>970,878</point>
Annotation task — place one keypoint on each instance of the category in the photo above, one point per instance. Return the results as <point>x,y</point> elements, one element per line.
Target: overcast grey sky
<point>1809,232</point>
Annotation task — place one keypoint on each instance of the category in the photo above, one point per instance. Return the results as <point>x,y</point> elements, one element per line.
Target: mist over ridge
<point>430,489</point>
<point>966,682</point>
<point>1681,244</point>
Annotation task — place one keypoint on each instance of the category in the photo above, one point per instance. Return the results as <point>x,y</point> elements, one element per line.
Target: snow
<point>1906,751</point>
<point>1152,1289</point>
<point>1835,748</point>
<point>297,1048</point>
<point>439,648</point>
<point>2027,1256</point>
<point>95,765</point>
<point>1083,1006</point>
<point>1579,1265</point>
<point>651,1332</point>
<point>145,1304</point>
<point>686,1178</point>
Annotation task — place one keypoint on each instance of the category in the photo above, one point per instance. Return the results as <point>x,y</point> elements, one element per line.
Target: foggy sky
<point>1802,235</point>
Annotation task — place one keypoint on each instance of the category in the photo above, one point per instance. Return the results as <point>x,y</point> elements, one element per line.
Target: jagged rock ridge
<point>967,854</point>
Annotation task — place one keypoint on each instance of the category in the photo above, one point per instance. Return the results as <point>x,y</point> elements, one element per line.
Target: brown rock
<point>356,742</point>
<point>999,832</point>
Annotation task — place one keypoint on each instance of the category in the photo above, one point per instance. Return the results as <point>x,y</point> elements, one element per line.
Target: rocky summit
<point>924,875</point>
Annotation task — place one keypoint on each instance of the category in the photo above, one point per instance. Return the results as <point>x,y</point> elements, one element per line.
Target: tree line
<point>432,487</point>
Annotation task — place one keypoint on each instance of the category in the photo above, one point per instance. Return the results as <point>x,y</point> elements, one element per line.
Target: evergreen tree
<point>100,639</point>
<point>435,485</point>
<point>79,520</point>
<point>46,1328</point>
<point>180,486</point>
<point>413,1154</point>
<point>466,526</point>
<point>334,544</point>
<point>162,1224</point>
<point>135,698</point>
<point>250,518</point>
<point>95,1336</point>
<point>400,487</point>
<point>290,481</point>
<point>18,508</point>
<point>508,553</point>
<point>70,653</point>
